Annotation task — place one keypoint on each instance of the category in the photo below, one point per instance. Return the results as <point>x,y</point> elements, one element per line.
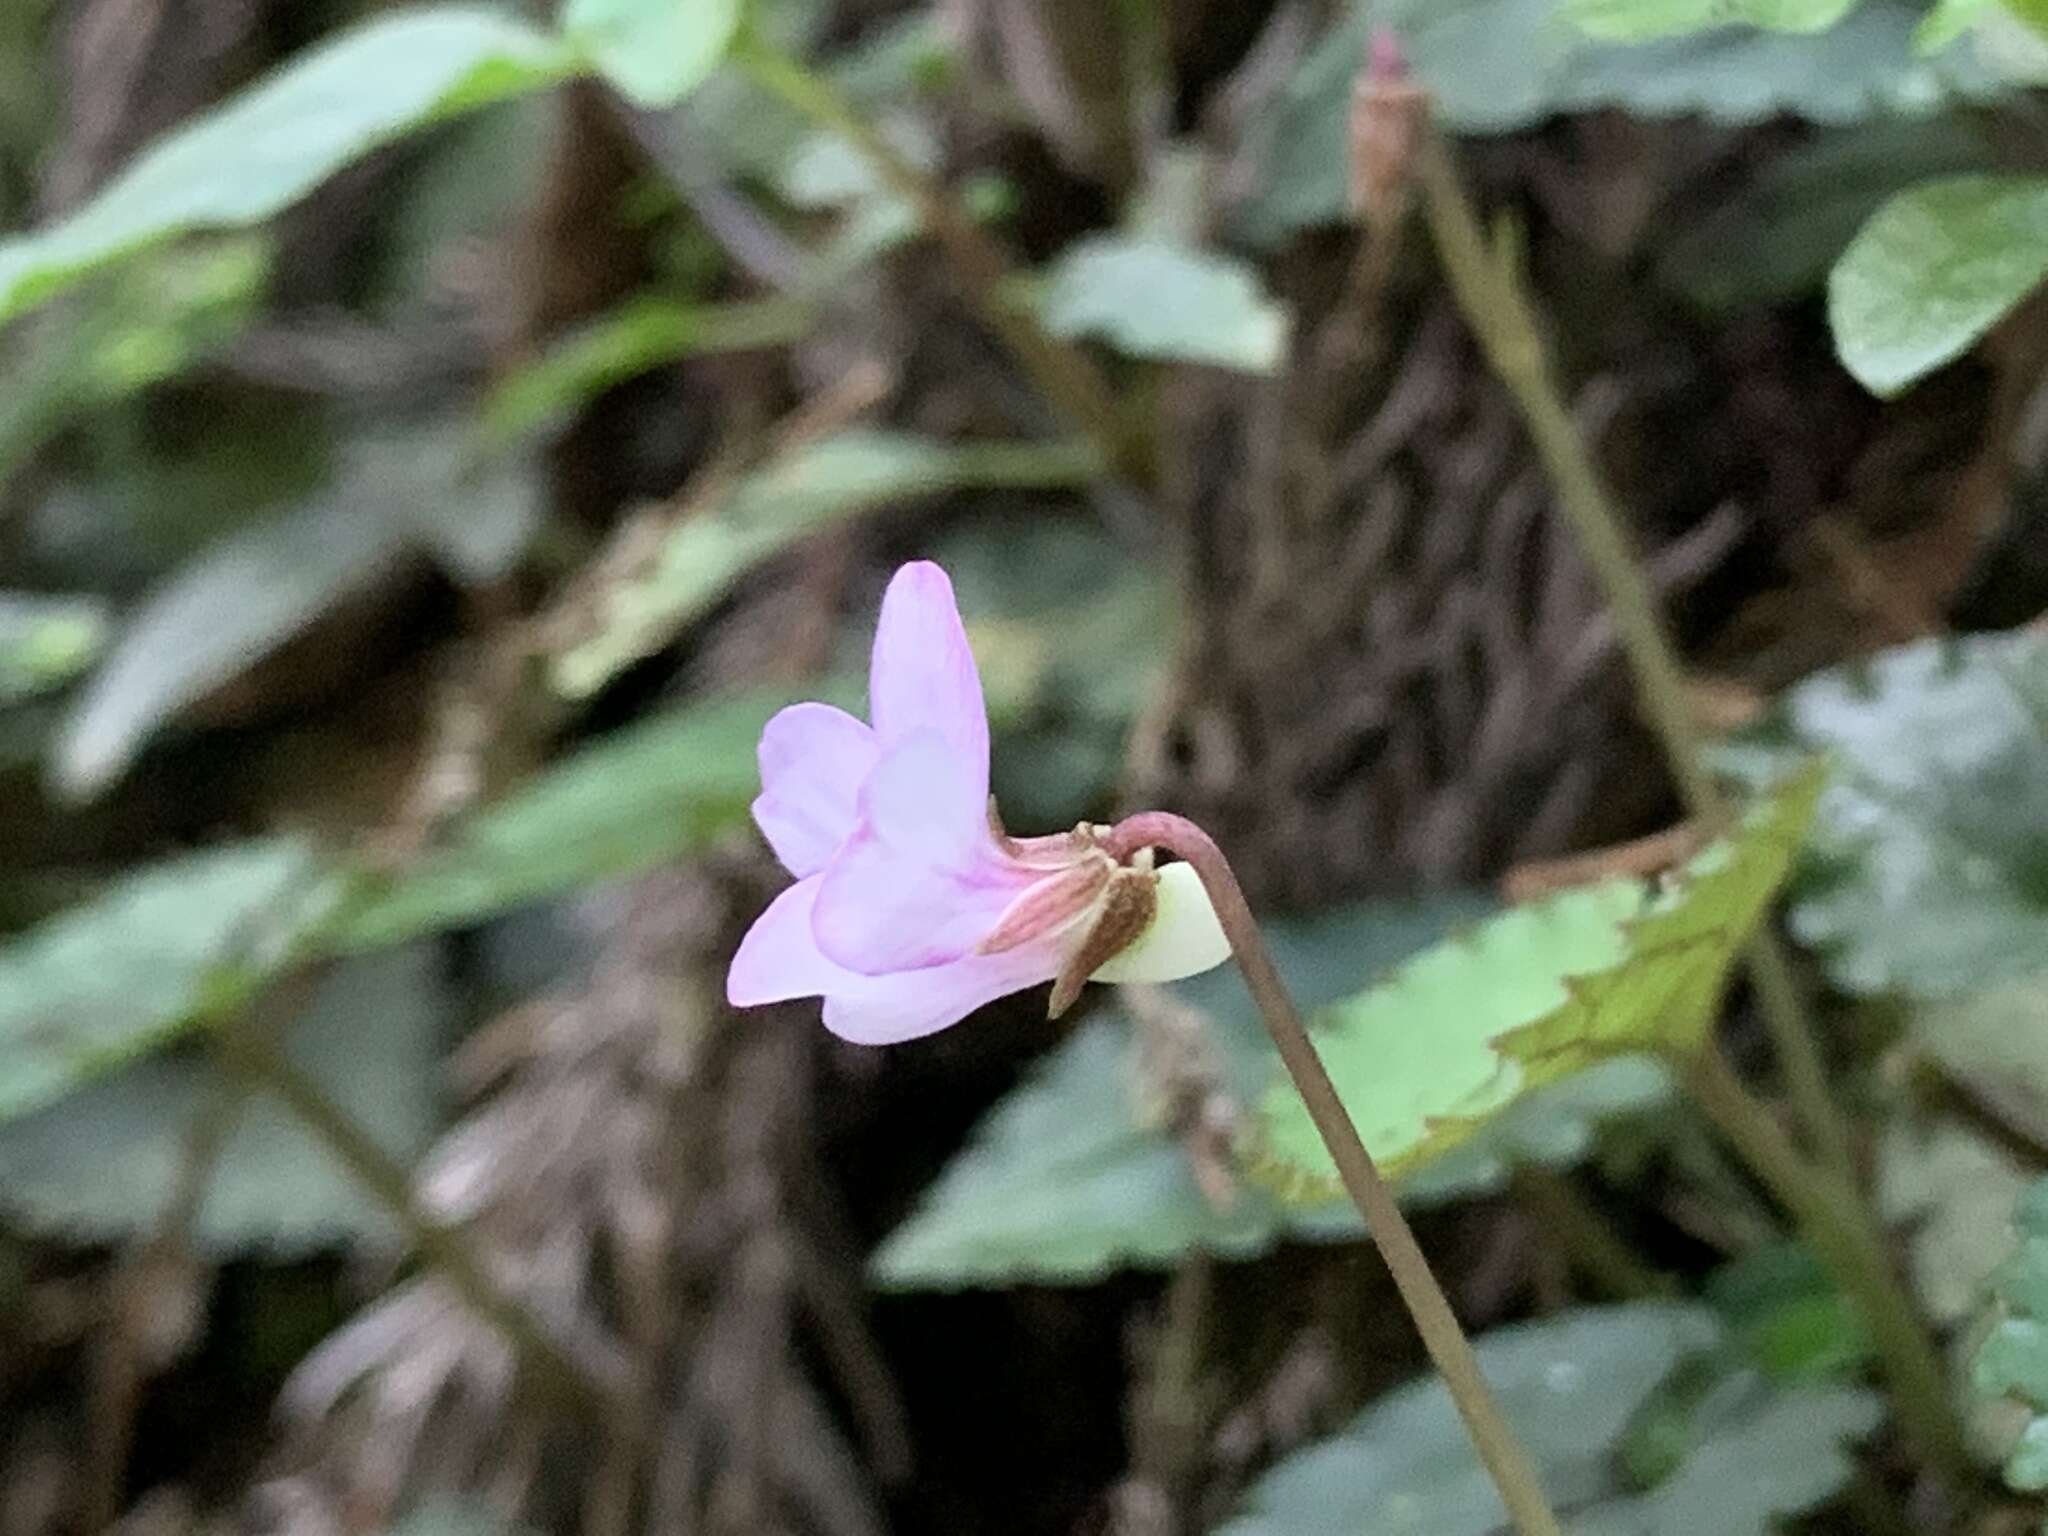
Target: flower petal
<point>814,760</point>
<point>886,1009</point>
<point>777,961</point>
<point>921,881</point>
<point>922,675</point>
<point>1184,938</point>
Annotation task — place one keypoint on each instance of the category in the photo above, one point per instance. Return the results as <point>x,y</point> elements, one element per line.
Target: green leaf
<point>1777,236</point>
<point>1536,993</point>
<point>1075,1174</point>
<point>1151,298</point>
<point>92,988</point>
<point>1928,862</point>
<point>1952,1189</point>
<point>640,797</point>
<point>1499,66</point>
<point>640,335</point>
<point>247,594</point>
<point>2008,35</point>
<point>103,1165</point>
<point>1785,1312</point>
<point>808,490</point>
<point>178,944</point>
<point>265,148</point>
<point>1935,268</point>
<point>46,641</point>
<point>1572,1388</point>
<point>1636,21</point>
<point>655,51</point>
<point>2012,1362</point>
<point>1994,1042</point>
<point>1945,22</point>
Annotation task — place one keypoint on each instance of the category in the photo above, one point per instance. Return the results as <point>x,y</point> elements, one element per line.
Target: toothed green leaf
<point>1074,1174</point>
<point>1462,1031</point>
<point>1927,868</point>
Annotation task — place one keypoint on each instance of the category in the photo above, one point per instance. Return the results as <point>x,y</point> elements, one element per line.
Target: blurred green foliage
<point>194,516</point>
<point>1596,1395</point>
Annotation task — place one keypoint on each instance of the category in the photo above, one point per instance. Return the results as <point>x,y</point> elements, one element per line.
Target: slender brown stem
<point>1487,281</point>
<point>1065,375</point>
<point>253,1053</point>
<point>1506,1461</point>
<point>123,1359</point>
<point>1830,1214</point>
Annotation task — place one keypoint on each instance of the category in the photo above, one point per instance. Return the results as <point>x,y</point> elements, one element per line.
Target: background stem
<point>251,1051</point>
<point>1487,282</point>
<point>1506,1461</point>
<point>1831,1216</point>
<point>1062,372</point>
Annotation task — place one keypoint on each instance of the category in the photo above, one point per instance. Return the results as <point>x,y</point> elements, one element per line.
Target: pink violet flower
<point>911,907</point>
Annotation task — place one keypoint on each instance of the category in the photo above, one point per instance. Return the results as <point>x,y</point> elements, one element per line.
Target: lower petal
<point>883,1010</point>
<point>778,959</point>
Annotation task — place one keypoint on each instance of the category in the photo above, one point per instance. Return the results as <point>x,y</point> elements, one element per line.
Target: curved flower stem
<point>1506,1461</point>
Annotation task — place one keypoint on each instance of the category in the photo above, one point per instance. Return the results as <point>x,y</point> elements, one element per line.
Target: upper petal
<point>922,676</point>
<point>814,760</point>
<point>921,881</point>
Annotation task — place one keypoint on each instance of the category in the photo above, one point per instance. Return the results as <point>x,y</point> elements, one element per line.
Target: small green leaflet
<point>1935,268</point>
<point>265,148</point>
<point>2013,1361</point>
<point>1152,298</point>
<point>46,641</point>
<point>655,51</point>
<point>1786,1315</point>
<point>1463,1030</point>
<point>1927,867</point>
<point>1732,1452</point>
